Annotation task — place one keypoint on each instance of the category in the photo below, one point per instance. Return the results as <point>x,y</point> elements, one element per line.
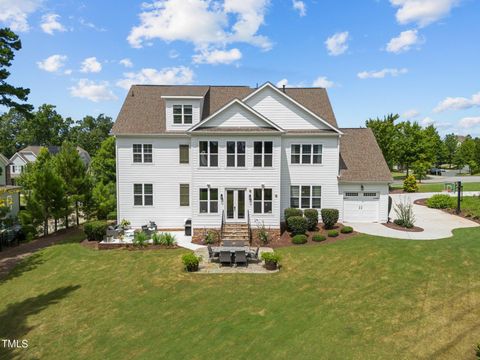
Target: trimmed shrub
<point>405,216</point>
<point>318,237</point>
<point>112,215</point>
<point>95,230</point>
<point>191,261</point>
<point>441,201</point>
<point>297,225</point>
<point>346,230</point>
<point>333,233</point>
<point>299,239</point>
<point>329,217</point>
<point>289,212</point>
<point>410,184</point>
<point>312,218</point>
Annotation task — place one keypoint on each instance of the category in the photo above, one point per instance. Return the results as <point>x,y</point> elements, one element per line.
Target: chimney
<point>283,87</point>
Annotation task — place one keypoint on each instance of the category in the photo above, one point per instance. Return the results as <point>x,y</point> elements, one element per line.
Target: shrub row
<point>298,221</point>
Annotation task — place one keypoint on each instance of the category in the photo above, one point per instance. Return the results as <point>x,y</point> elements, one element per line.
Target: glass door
<point>235,205</point>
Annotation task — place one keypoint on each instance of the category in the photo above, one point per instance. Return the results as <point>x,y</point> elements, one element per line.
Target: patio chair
<point>254,254</point>
<point>152,226</point>
<point>238,243</point>
<point>228,243</point>
<point>211,255</point>
<point>241,257</point>
<point>225,258</point>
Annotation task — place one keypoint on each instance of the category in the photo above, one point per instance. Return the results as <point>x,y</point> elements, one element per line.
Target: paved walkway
<point>437,224</point>
<point>186,241</point>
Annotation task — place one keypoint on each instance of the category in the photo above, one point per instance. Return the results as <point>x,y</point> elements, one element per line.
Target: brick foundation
<point>198,234</point>
<point>274,236</point>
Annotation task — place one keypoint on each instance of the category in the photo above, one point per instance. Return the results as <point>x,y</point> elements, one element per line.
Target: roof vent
<point>283,87</point>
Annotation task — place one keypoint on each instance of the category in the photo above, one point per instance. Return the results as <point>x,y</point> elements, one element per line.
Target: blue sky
<point>418,58</point>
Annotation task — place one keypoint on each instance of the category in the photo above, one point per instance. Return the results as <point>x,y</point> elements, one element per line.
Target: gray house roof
<point>143,111</point>
<point>361,158</point>
<point>35,149</point>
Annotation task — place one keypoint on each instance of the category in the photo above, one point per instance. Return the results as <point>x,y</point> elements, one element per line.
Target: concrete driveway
<point>437,224</point>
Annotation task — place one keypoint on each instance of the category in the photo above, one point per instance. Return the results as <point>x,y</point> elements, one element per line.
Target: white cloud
<point>458,103</point>
<point>469,122</point>
<point>52,63</point>
<point>93,91</point>
<point>410,114</point>
<point>91,25</point>
<point>167,76</point>
<point>282,83</point>
<point>404,41</point>
<point>422,12</point>
<point>50,24</point>
<point>91,65</point>
<point>381,73</point>
<point>204,23</point>
<point>14,13</point>
<point>439,125</point>
<point>217,56</point>
<point>337,43</point>
<point>300,7</point>
<point>323,82</point>
<point>126,62</point>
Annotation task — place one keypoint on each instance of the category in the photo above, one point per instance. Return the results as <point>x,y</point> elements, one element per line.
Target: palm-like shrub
<point>405,216</point>
<point>140,239</point>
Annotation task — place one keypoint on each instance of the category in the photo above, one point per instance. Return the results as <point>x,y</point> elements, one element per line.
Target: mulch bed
<point>423,202</point>
<point>394,226</point>
<point>131,247</point>
<point>286,238</point>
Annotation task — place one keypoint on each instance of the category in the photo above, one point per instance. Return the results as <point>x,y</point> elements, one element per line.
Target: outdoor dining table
<point>232,249</point>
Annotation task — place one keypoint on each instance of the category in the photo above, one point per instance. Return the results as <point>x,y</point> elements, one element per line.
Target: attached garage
<point>361,206</point>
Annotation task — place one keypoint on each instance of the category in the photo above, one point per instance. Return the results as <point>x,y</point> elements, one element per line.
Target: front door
<point>235,205</point>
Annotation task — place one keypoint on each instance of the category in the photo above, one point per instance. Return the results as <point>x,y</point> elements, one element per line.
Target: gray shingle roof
<point>361,158</point>
<point>143,111</point>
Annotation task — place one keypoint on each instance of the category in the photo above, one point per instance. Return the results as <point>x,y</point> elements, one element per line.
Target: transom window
<point>370,194</point>
<point>142,153</point>
<point>184,195</point>
<point>208,153</point>
<point>208,201</point>
<point>184,152</point>
<point>263,154</point>
<point>262,201</point>
<point>142,194</point>
<point>182,114</point>
<point>306,197</point>
<point>235,153</point>
<point>351,194</point>
<point>306,154</point>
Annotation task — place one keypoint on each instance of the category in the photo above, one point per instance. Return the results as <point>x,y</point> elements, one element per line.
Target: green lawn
<point>438,187</point>
<point>398,175</point>
<point>471,206</point>
<point>362,298</point>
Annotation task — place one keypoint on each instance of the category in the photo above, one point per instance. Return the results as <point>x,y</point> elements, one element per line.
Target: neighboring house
<point>29,154</point>
<point>4,170</point>
<point>9,195</point>
<point>236,154</point>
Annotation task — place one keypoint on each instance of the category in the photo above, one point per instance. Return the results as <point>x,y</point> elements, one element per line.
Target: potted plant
<point>125,224</point>
<point>271,260</point>
<point>191,262</point>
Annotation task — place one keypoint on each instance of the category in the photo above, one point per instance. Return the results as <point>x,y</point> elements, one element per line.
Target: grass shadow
<point>27,264</point>
<point>13,320</point>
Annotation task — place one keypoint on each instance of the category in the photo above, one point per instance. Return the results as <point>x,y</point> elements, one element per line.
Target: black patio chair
<point>211,255</point>
<point>225,258</point>
<point>241,257</point>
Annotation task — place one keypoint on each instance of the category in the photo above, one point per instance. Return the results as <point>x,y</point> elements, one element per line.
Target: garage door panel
<point>360,208</point>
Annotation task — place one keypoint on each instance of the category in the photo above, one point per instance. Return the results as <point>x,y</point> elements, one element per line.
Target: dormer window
<point>182,114</point>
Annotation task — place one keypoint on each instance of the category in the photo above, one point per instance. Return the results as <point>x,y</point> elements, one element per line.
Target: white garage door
<point>361,206</point>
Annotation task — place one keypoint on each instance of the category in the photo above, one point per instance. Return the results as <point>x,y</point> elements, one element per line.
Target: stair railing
<point>222,226</point>
<point>249,228</point>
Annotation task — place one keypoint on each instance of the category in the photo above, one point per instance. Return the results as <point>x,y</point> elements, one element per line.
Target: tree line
<point>407,145</point>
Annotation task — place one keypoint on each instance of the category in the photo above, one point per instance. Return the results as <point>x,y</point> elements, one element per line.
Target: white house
<point>233,154</point>
<point>9,195</point>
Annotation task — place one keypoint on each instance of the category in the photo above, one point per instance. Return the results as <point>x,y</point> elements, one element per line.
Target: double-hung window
<point>262,201</point>
<point>235,153</point>
<point>306,154</point>
<point>208,153</point>
<point>208,200</point>
<point>184,195</point>
<point>142,153</point>
<point>306,197</point>
<point>142,194</point>
<point>263,154</point>
<point>184,152</point>
<point>182,114</point>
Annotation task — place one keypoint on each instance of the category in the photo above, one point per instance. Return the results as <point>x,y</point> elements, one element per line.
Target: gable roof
<point>361,158</point>
<point>143,111</point>
<point>35,150</point>
<point>3,159</point>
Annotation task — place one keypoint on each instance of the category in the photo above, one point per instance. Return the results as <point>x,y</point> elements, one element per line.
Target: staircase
<point>236,232</point>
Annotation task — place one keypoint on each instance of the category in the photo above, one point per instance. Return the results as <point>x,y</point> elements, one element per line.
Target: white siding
<point>244,178</point>
<point>196,116</point>
<point>382,189</point>
<point>324,174</point>
<point>3,174</point>
<point>236,116</point>
<point>282,111</point>
<point>16,163</point>
<point>165,173</point>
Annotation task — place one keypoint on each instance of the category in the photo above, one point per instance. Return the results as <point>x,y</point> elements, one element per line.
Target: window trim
<point>142,153</point>
<point>208,201</point>
<point>311,197</point>
<point>262,201</point>
<point>143,194</point>
<point>187,186</point>
<point>263,154</point>
<point>180,154</point>
<point>300,154</point>
<point>182,114</point>
<point>236,154</point>
<point>209,154</point>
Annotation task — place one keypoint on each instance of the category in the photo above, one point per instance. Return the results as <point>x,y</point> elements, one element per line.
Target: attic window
<point>182,114</point>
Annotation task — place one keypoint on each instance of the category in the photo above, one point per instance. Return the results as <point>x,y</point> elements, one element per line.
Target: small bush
<point>140,239</point>
<point>156,238</point>
<point>312,218</point>
<point>167,239</point>
<point>95,230</point>
<point>297,225</point>
<point>410,184</point>
<point>299,239</point>
<point>405,217</point>
<point>346,230</point>
<point>318,237</point>
<point>124,224</point>
<point>333,233</point>
<point>271,257</point>
<point>289,212</point>
<point>440,201</point>
<point>262,232</point>
<point>211,237</point>
<point>329,217</point>
<point>191,261</point>
<point>112,215</point>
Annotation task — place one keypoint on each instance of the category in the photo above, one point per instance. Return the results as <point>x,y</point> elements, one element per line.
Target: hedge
<point>95,230</point>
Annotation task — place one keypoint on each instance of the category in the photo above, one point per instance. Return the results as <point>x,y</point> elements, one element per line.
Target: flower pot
<point>270,265</point>
<point>192,268</point>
